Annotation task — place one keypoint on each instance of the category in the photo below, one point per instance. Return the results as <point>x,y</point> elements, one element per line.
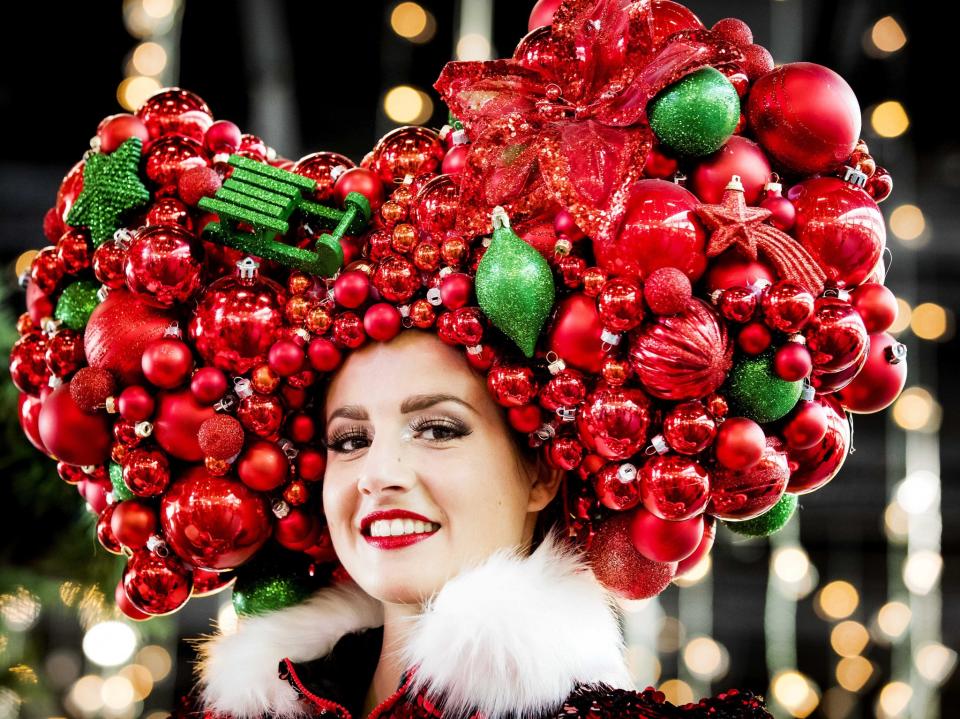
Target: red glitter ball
<point>90,387</point>
<point>667,291</point>
<point>221,437</point>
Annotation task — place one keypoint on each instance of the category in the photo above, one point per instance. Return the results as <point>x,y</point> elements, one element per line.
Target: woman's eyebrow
<point>413,403</point>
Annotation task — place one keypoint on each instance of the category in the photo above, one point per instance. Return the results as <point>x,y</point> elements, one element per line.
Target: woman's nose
<point>384,465</point>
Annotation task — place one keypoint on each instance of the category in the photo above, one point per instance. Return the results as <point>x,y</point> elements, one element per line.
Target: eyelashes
<point>449,428</point>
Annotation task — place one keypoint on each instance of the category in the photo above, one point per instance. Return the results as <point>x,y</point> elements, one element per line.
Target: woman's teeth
<point>398,527</point>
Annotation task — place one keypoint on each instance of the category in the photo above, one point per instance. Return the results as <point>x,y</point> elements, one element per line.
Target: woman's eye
<point>430,431</point>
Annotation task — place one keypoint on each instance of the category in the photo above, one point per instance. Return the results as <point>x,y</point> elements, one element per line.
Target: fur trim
<point>512,634</point>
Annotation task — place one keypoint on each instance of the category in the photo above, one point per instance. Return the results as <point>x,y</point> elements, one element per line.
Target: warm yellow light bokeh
<point>887,35</point>
<point>407,105</point>
<point>907,222</point>
<point>889,119</point>
<point>929,321</point>
<point>853,673</point>
<point>838,600</point>
<point>849,638</point>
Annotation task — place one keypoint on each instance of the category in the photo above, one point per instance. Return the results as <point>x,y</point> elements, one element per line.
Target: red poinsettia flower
<point>563,123</point>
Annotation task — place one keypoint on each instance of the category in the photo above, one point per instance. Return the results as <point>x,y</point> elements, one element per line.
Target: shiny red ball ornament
<point>124,604</point>
<point>620,304</point>
<point>565,453</point>
<point>207,582</point>
<point>352,288</point>
<point>114,130</point>
<point>28,412</point>
<point>108,264</point>
<point>841,226</point>
<point>455,160</point>
<point>362,180</point>
<point>689,428</point>
<point>311,465</point>
<point>297,531</point>
<point>667,291</point>
<point>166,158</point>
<point>132,522</point>
<point>381,321</point>
<point>146,472</point>
<point>881,379</point>
<point>616,487</point>
<point>164,265</point>
<point>614,423</point>
<point>156,585</point>
<point>70,188</point>
<point>177,424</point>
<point>787,307</point>
<point>396,278</point>
<point>286,357</point>
<point>261,414</point>
<point>435,207</point>
<point>324,355</point>
<point>167,362</point>
<point>221,437</point>
<point>348,330</point>
<point>739,156</point>
<point>64,354</point>
<point>784,214</point>
<point>170,211</point>
<point>805,116</point>
<point>575,334</point>
<point>806,425</point>
<point>263,466</point>
<point>661,540</point>
<point>406,151</point>
<point>660,229</point>
<point>542,14</point>
<point>702,550</point>
<point>792,362</point>
<point>748,493</point>
<point>212,522</point>
<point>323,168</point>
<point>46,270</point>
<point>674,487</point>
<point>682,356</point>
<point>620,567</point>
<point>835,335</point>
<point>39,305</point>
<point>740,443</point>
<point>754,338</point>
<point>512,386</point>
<point>28,365</point>
<point>876,305</point>
<point>208,385</point>
<point>811,469</point>
<point>732,269</point>
<point>135,404</point>
<point>567,388</point>
<point>70,434</point>
<point>222,136</point>
<point>105,533</point>
<point>73,251</point>
<point>176,112</point>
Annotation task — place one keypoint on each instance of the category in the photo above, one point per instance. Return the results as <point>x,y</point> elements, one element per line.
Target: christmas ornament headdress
<point>602,228</point>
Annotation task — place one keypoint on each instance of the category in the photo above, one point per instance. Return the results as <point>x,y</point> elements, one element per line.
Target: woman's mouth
<point>392,534</point>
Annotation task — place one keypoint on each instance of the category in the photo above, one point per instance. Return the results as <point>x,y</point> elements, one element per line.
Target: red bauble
<point>125,606</point>
<point>263,466</point>
<point>167,362</point>
<point>542,13</point>
<point>311,464</point>
<point>667,291</point>
<point>114,130</point>
<point>222,136</point>
<point>877,306</point>
<point>739,156</point>
<point>614,422</point>
<point>208,385</point>
<point>784,215</point>
<point>435,207</point>
<point>70,188</point>
<point>39,305</point>
<point>787,307</point>
<point>108,261</point>
<point>323,168</point>
<point>812,468</point>
<point>575,334</point>
<point>362,180</point>
<point>660,229</point>
<point>565,453</point>
<point>64,353</point>
<point>105,533</point>
<point>221,437</point>
<point>286,357</point>
<point>119,330</point>
<point>133,522</point>
<point>177,424</point>
<point>176,111</point>
<point>28,365</point>
<point>615,493</point>
<point>740,443</point>
<point>754,338</point>
<point>135,404</point>
<point>381,321</point>
<point>156,585</point>
<point>836,336</point>
<point>511,386</point>
<point>455,160</point>
<point>214,522</point>
<point>171,211</point>
<point>73,251</point>
<point>29,413</point>
<point>682,356</point>
<point>660,540</point>
<point>456,289</point>
<point>620,567</point>
<point>689,428</point>
<point>806,425</point>
<point>749,493</point>
<point>324,355</point>
<point>298,530</point>
<point>46,271</point>
<point>805,116</point>
<point>792,362</point>
<point>620,304</point>
<point>164,265</point>
<point>702,550</point>
<point>70,434</point>
<point>196,183</point>
<point>167,158</point>
<point>406,151</point>
<point>674,487</point>
<point>261,414</point>
<point>146,472</point>
<point>237,321</point>
<point>207,582</point>
<point>351,288</point>
<point>732,269</point>
<point>397,278</point>
<point>881,379</point>
<point>841,226</point>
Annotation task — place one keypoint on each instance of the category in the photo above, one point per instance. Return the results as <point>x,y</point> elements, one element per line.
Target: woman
<point>464,621</point>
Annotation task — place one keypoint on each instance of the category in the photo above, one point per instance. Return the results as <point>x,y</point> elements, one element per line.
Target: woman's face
<point>409,425</point>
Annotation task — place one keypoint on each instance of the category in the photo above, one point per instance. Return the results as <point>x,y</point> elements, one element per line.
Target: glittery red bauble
<point>362,180</point>
<point>261,414</point>
<point>881,379</point>
<point>787,307</point>
<point>177,424</point>
<point>732,269</point>
<point>406,151</point>
<point>739,156</point>
<point>435,206</point>
<point>806,425</point>
<point>689,428</point>
<point>207,582</point>
<point>114,130</point>
<point>70,434</point>
<point>733,30</point>
<point>674,487</point>
<point>841,226</point>
<point>132,522</point>
<point>156,585</point>
<point>876,305</point>
<point>792,362</point>
<point>167,158</point>
<point>614,422</point>
<point>208,385</point>
<point>214,522</point>
<point>667,291</point>
<point>236,322</point>
<point>805,116</point>
<point>164,265</point>
<point>381,321</point>
<point>323,168</point>
<point>748,493</point>
<point>263,466</point>
<point>620,567</point>
<point>661,540</point>
<point>660,229</point>
<point>620,304</point>
<point>702,550</point>
<point>28,366</point>
<point>198,182</point>
<point>167,362</point>
<point>221,437</point>
<point>176,111</point>
<point>29,413</point>
<point>575,333</point>
<point>146,472</point>
<point>119,330</point>
<point>740,443</point>
<point>682,356</point>
<point>812,468</point>
<point>835,335</point>
<point>613,492</point>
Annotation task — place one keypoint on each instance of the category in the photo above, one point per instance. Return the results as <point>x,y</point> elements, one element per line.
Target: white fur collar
<point>512,634</point>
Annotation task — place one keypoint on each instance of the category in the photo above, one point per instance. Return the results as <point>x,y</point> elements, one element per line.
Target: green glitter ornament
<point>121,492</point>
<point>770,522</point>
<point>514,285</point>
<point>754,390</point>
<point>697,114</point>
<point>271,582</point>
<point>76,303</point>
<point>111,188</point>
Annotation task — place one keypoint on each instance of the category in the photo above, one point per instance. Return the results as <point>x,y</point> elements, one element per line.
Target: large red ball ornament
<point>618,565</point>
<point>748,493</point>
<point>118,332</point>
<point>261,414</point>
<point>167,362</point>
<point>732,269</point>
<point>176,112</point>
<point>811,469</point>
<point>323,168</point>
<point>674,487</point>
<point>362,180</point>
<point>169,157</point>
<point>881,379</point>
<point>575,333</point>
<point>805,116</point>
<point>740,443</point>
<point>382,321</point>
<point>435,206</point>
<point>683,356</point>
<point>877,306</point>
<point>841,226</point>
<point>689,428</point>
<point>263,466</point>
<point>614,422</point>
<point>739,156</point>
<point>410,150</point>
<point>133,522</point>
<point>835,335</point>
<point>542,14</point>
<point>176,426</point>
<point>156,585</point>
<point>396,278</point>
<point>214,522</point>
<point>661,540</point>
<point>70,434</point>
<point>660,229</point>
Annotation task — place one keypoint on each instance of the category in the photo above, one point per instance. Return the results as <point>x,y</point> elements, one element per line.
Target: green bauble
<point>696,115</point>
<point>121,492</point>
<point>755,391</point>
<point>770,522</point>
<point>76,303</point>
<point>277,580</point>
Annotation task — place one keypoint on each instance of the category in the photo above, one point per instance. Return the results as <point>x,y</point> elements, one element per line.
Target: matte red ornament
<point>787,307</point>
<point>661,540</point>
<point>792,362</point>
<point>667,291</point>
<point>877,306</point>
<point>132,522</point>
<point>311,464</point>
<point>222,136</point>
<point>614,422</point>
<point>70,434</point>
<point>542,13</point>
<point>410,150</point>
<point>156,585</point>
<point>620,304</point>
<point>575,333</point>
<point>616,489</point>
<point>739,156</point>
<point>525,418</point>
<point>214,522</point>
<point>456,290</point>
<point>881,379</point>
<point>286,357</point>
<point>177,424</point>
<point>176,111</point>
<point>783,215</point>
<point>748,493</point>
<point>39,305</point>
<point>620,567</point>
<point>732,269</point>
<point>351,288</point>
<point>298,530</point>
<point>811,469</point>
<point>682,356</point>
<point>167,362</point>
<point>455,160</point>
<point>674,487</point>
<point>382,321</point>
<point>221,437</point>
<point>740,443</point>
<point>135,404</point>
<point>114,130</point>
<point>324,355</point>
<point>754,338</point>
<point>208,385</point>
<point>689,428</point>
<point>362,180</point>
<point>835,335</point>
<point>323,168</point>
<point>263,466</point>
<point>146,472</point>
<point>806,425</point>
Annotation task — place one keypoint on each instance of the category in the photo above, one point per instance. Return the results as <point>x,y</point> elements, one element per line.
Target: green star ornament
<point>111,187</point>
